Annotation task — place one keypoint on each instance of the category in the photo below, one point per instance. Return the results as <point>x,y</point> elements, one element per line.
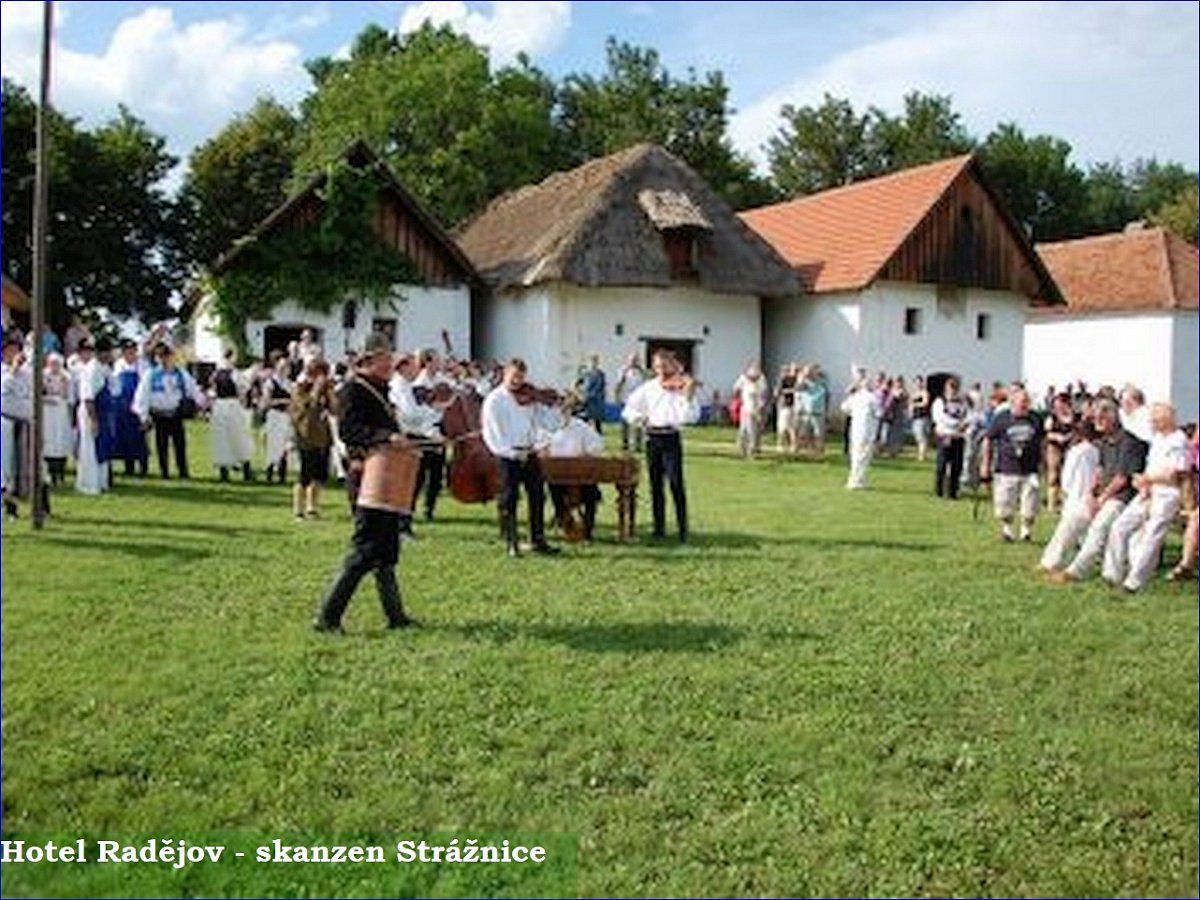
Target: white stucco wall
<point>556,327</point>
<point>420,313</point>
<point>1185,365</point>
<point>1154,350</point>
<point>867,328</point>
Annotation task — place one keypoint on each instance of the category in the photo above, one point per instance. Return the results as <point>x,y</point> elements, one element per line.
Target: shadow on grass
<point>630,637</point>
<point>173,524</point>
<point>741,539</point>
<point>137,550</point>
<point>202,490</point>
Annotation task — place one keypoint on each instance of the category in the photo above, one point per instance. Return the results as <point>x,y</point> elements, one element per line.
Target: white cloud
<point>534,28</point>
<point>1113,79</point>
<point>184,80</point>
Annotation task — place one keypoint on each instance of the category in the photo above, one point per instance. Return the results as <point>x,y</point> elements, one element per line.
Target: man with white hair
<point>1015,437</point>
<point>1136,538</point>
<point>862,411</point>
<point>751,386</point>
<point>1135,415</point>
<point>1122,456</point>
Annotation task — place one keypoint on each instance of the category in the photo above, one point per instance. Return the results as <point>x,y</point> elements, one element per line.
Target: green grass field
<point>823,693</point>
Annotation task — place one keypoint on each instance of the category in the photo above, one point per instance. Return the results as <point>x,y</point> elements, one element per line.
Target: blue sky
<point>1116,79</point>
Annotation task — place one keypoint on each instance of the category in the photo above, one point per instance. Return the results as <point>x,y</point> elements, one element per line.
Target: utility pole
<point>41,222</point>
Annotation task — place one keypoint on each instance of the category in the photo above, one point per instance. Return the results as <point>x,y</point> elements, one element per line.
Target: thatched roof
<point>602,224</point>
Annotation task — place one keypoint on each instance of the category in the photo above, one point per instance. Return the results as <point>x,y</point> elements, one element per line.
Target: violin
<point>440,393</point>
<point>680,381</point>
<point>528,394</point>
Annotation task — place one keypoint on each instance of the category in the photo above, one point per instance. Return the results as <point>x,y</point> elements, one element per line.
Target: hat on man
<point>376,343</point>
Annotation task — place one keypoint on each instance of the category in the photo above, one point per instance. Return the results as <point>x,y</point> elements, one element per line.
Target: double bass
<point>472,474</point>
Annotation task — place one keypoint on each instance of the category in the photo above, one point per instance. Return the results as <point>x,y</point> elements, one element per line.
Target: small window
<point>912,320</point>
<point>680,245</point>
<point>983,327</point>
<point>619,329</point>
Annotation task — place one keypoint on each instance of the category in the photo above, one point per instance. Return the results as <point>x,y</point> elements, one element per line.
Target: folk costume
<point>367,422</point>
<point>661,411</point>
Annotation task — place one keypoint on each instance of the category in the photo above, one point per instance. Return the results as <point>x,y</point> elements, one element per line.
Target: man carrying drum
<point>367,426</point>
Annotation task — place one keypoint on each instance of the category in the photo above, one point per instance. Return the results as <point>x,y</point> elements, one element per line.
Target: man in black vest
<point>367,421</point>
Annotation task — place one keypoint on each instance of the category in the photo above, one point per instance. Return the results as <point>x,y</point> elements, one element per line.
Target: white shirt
<point>164,400</point>
<point>576,438</point>
<point>653,406</point>
<point>1078,472</point>
<point>93,378</point>
<point>413,417</point>
<point>863,409</point>
<point>630,379</point>
<point>511,430</point>
<point>1168,455</point>
<point>946,424</point>
<point>1138,424</point>
<point>753,391</point>
<point>16,393</point>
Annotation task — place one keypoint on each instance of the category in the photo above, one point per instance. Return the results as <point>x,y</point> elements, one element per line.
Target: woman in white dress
<point>91,465</point>
<point>276,397</point>
<point>229,422</point>
<point>58,435</point>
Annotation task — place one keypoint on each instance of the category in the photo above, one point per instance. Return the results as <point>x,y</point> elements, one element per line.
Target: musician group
<point>396,418</point>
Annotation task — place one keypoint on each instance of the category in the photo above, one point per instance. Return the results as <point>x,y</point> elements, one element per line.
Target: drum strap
<point>378,396</point>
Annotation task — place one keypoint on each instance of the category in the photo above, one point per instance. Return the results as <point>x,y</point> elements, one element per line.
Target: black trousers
<point>664,459</point>
<point>949,466</point>
<point>168,429</point>
<point>513,474</point>
<point>375,546</point>
<point>430,477</point>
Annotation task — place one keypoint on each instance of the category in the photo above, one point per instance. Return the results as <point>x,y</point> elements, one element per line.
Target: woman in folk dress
<point>58,435</point>
<point>276,396</point>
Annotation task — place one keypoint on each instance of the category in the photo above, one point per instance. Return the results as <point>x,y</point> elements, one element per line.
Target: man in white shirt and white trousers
<point>862,407</point>
<point>512,429</point>
<point>662,406</point>
<point>1136,537</point>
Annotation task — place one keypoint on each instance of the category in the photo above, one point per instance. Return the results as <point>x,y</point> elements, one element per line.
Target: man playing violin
<point>513,414</point>
<point>367,422</point>
<point>662,406</point>
<point>420,420</point>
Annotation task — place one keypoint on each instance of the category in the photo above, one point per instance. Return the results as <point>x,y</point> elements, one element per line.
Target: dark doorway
<point>277,337</point>
<point>684,350</point>
<point>935,383</point>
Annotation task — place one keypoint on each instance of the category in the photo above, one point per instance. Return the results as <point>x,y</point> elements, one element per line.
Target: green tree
<point>110,233</point>
<point>1180,214</point>
<point>821,147</point>
<point>637,99</point>
<point>928,130</point>
<point>1037,181</point>
<point>236,178</point>
<point>456,132</point>
<point>1109,203</point>
<point>1155,184</point>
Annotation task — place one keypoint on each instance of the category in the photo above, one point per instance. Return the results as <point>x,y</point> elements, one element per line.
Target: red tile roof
<point>840,239</point>
<point>1146,268</point>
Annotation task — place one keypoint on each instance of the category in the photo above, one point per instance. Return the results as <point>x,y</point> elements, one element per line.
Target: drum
<point>389,479</point>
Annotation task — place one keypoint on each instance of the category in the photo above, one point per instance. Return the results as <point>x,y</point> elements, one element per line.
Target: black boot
<point>247,472</point>
<point>224,473</point>
<point>508,527</point>
<point>389,597</point>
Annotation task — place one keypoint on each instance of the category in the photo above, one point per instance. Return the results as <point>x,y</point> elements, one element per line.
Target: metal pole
<point>40,223</point>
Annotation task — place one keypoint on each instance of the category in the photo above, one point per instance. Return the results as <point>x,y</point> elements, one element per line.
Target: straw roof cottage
<point>633,251</point>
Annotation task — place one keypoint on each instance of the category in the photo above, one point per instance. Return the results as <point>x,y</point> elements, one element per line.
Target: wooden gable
<point>399,221</point>
<point>968,240</point>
